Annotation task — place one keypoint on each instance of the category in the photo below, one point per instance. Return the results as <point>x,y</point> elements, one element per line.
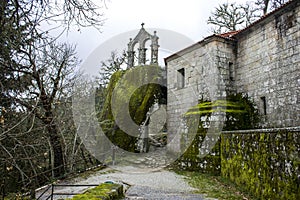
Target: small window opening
<point>181,78</point>
<point>264,105</point>
<point>231,72</point>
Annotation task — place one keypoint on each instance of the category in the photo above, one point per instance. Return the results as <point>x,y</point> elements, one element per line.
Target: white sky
<point>187,17</point>
<point>184,17</point>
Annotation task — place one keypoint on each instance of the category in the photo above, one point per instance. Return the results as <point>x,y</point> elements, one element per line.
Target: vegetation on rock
<point>265,164</point>
<point>240,114</point>
<point>105,191</point>
<point>129,86</point>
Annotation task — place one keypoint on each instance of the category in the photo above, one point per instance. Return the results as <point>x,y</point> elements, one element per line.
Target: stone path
<point>144,192</point>
<point>142,176</point>
<point>156,158</point>
<point>140,183</point>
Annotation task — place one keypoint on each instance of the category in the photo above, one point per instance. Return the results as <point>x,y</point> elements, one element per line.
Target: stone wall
<point>206,75</point>
<point>192,161</point>
<point>268,66</point>
<point>264,162</point>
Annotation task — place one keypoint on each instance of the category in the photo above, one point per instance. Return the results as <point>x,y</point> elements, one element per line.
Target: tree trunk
<point>55,141</point>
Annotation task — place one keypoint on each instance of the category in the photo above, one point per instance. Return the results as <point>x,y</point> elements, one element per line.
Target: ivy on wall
<point>240,114</point>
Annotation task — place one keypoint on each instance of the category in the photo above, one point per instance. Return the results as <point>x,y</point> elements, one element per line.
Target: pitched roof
<point>229,34</point>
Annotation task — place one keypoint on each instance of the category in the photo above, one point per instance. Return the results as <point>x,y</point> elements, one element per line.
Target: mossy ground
<point>214,186</point>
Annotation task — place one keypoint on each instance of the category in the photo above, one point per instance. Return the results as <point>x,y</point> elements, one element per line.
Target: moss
<point>106,113</point>
<point>212,186</point>
<point>240,111</point>
<point>105,191</point>
<point>240,114</point>
<point>125,86</point>
<point>191,159</point>
<point>262,165</point>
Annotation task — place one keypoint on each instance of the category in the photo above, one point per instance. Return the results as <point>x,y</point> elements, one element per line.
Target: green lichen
<point>105,113</point>
<point>105,191</point>
<point>263,163</point>
<point>191,160</point>
<point>240,111</point>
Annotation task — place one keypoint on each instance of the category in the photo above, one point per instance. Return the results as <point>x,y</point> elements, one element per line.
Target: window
<point>264,105</point>
<point>181,78</point>
<point>231,71</point>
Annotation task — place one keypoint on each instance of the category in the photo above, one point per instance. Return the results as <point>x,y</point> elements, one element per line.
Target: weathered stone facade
<point>268,66</point>
<point>263,61</point>
<point>205,77</point>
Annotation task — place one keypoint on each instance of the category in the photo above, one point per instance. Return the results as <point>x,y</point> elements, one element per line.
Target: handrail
<point>49,186</point>
<point>52,186</point>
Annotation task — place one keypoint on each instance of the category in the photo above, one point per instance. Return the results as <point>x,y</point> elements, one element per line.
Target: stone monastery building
<point>262,61</point>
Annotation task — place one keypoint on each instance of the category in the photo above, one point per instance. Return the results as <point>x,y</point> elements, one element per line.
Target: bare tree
<point>112,64</point>
<point>251,13</point>
<point>263,5</point>
<point>269,5</point>
<point>47,69</point>
<point>231,17</point>
<point>36,74</point>
<point>227,17</point>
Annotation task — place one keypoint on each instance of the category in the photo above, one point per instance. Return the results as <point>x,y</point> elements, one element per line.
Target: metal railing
<point>51,188</point>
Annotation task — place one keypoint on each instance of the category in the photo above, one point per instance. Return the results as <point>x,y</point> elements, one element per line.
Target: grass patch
<point>215,187</point>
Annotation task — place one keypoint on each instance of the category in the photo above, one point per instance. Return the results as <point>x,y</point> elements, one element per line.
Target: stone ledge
<point>266,130</point>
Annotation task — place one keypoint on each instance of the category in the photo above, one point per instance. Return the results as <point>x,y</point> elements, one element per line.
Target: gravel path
<point>140,183</point>
<point>144,192</point>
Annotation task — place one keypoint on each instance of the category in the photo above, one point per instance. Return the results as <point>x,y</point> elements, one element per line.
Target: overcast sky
<point>186,17</point>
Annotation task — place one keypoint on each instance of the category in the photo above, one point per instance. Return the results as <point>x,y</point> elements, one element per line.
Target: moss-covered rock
<point>127,90</point>
<point>105,191</point>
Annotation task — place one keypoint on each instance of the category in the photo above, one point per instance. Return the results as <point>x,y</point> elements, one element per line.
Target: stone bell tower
<point>141,38</point>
